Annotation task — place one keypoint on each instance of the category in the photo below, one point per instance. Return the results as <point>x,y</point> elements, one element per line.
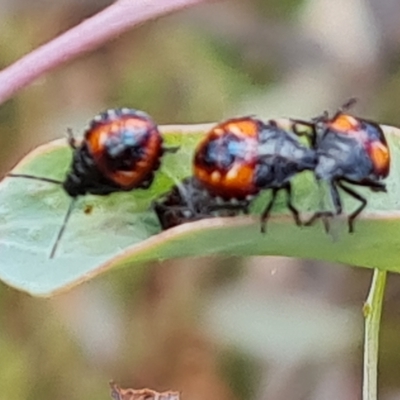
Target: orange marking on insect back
<point>97,137</point>
<point>380,157</point>
<point>242,127</point>
<point>237,182</point>
<point>142,168</point>
<point>344,123</point>
<point>240,178</point>
<point>237,178</point>
<point>215,177</point>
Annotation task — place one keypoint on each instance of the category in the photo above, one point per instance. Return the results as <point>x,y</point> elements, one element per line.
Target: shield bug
<point>240,157</point>
<point>120,151</point>
<point>350,151</point>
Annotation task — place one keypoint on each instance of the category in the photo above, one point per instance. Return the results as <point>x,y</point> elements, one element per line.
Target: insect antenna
<point>62,229</point>
<point>36,178</point>
<point>345,107</point>
<point>67,215</point>
<point>350,103</point>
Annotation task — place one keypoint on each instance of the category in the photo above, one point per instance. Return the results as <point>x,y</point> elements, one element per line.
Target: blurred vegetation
<point>147,327</point>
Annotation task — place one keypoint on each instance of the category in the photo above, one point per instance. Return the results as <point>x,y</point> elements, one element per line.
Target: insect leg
<point>355,213</point>
<point>172,149</point>
<point>71,139</point>
<point>324,215</point>
<point>63,226</point>
<point>267,210</point>
<point>292,208</point>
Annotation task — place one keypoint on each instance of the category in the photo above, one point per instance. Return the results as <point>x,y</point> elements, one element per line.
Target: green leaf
<point>121,229</point>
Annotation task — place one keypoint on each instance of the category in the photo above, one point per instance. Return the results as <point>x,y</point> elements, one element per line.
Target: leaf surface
<point>122,230</point>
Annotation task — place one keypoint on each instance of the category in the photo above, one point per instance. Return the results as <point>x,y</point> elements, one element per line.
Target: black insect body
<point>120,151</point>
<point>241,157</point>
<point>352,151</point>
<point>189,201</point>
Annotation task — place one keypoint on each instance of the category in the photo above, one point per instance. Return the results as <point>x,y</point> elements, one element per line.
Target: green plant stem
<point>372,314</point>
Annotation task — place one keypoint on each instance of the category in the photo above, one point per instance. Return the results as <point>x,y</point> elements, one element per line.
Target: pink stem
<point>91,33</point>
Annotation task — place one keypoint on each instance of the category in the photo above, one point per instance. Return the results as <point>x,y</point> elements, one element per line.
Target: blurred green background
<point>257,328</point>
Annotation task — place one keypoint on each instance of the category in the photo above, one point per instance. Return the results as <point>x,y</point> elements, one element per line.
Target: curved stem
<point>372,314</point>
<point>88,35</point>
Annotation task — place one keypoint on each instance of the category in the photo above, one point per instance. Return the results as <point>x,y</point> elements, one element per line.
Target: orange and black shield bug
<point>240,157</point>
<point>120,151</point>
<point>350,151</point>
